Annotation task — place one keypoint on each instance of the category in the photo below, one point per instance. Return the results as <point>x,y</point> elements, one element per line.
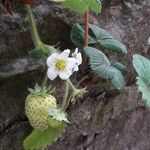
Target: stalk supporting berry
<point>65,100</point>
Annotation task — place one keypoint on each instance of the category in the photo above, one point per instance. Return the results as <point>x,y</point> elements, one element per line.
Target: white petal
<point>65,54</point>
<point>76,51</point>
<point>71,63</point>
<point>76,68</point>
<point>52,73</point>
<point>79,58</point>
<point>64,75</point>
<point>51,59</point>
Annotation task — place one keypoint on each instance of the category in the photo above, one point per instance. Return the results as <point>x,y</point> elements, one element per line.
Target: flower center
<point>60,64</point>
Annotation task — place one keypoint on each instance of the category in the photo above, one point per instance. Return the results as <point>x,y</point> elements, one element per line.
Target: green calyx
<point>41,91</point>
<point>57,117</point>
<point>58,114</point>
<point>79,94</point>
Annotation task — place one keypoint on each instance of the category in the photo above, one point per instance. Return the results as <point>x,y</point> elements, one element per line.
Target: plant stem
<point>45,80</point>
<point>34,32</point>
<point>69,81</point>
<point>86,24</point>
<point>65,100</point>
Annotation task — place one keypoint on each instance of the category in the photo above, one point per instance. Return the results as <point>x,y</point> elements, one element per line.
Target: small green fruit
<point>36,109</point>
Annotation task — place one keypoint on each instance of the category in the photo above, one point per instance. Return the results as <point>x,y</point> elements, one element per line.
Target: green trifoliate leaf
<point>77,36</point>
<point>77,6</point>
<point>114,45</point>
<point>119,66</point>
<point>101,37</point>
<point>99,33</point>
<point>101,65</point>
<point>81,6</point>
<point>41,139</point>
<point>57,114</point>
<point>106,40</point>
<point>97,56</point>
<point>94,5</point>
<point>142,67</point>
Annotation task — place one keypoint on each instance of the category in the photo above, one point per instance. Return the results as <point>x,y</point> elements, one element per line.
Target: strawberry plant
<point>48,119</point>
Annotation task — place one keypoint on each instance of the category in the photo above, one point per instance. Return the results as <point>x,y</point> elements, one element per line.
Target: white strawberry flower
<point>77,55</point>
<point>60,65</point>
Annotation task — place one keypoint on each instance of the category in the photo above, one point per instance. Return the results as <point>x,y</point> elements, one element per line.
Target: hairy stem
<point>65,100</point>
<point>34,32</point>
<point>86,24</point>
<point>45,80</point>
<point>69,81</point>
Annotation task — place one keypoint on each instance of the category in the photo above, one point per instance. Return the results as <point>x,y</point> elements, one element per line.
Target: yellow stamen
<point>60,64</point>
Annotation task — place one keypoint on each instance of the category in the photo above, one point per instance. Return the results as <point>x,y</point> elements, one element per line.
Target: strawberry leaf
<point>99,33</point>
<point>114,45</point>
<point>95,5</point>
<point>101,65</point>
<point>41,139</point>
<point>142,67</point>
<point>119,66</point>
<point>81,6</point>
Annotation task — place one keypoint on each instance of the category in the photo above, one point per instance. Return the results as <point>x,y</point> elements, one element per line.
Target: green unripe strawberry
<point>36,109</point>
